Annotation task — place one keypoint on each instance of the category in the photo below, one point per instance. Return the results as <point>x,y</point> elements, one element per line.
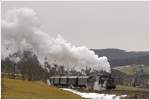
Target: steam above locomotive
<point>21,31</point>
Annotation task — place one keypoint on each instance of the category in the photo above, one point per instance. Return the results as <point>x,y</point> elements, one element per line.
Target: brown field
<point>20,89</point>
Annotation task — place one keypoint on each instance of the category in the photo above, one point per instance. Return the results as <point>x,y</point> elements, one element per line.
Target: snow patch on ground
<point>95,95</point>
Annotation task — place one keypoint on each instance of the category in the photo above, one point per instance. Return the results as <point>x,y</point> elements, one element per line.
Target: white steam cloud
<point>21,31</point>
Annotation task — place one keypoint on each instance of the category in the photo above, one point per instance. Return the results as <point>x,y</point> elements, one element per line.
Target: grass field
<point>133,92</point>
<point>20,89</point>
<point>130,69</point>
<point>129,88</point>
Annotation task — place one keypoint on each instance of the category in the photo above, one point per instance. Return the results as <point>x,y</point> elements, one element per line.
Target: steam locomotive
<point>96,82</point>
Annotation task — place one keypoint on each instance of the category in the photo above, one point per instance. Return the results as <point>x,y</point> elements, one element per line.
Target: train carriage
<point>64,81</point>
<point>56,81</point>
<point>103,81</point>
<point>51,80</point>
<point>72,80</point>
<point>82,81</point>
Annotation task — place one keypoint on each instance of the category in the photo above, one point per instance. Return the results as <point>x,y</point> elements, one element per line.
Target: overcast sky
<point>100,25</point>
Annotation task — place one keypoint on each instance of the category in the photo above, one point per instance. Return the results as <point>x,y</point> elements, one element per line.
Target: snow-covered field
<point>95,95</point>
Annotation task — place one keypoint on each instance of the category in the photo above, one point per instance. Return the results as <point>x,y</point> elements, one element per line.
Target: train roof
<point>83,76</point>
<point>69,77</point>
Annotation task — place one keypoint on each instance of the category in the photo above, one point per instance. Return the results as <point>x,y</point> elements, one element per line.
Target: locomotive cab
<point>110,83</point>
<point>107,81</point>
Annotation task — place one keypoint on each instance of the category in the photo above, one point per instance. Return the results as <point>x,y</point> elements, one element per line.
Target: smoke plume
<point>21,31</point>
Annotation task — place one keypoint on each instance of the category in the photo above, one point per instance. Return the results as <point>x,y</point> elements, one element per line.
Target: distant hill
<point>119,57</point>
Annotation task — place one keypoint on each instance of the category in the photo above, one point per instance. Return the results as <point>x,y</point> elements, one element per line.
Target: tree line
<point>30,68</point>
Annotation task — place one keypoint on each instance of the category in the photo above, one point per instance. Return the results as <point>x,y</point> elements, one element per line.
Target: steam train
<point>96,82</point>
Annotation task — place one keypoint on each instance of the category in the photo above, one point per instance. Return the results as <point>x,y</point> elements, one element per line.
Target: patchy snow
<point>95,95</point>
<point>122,96</point>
